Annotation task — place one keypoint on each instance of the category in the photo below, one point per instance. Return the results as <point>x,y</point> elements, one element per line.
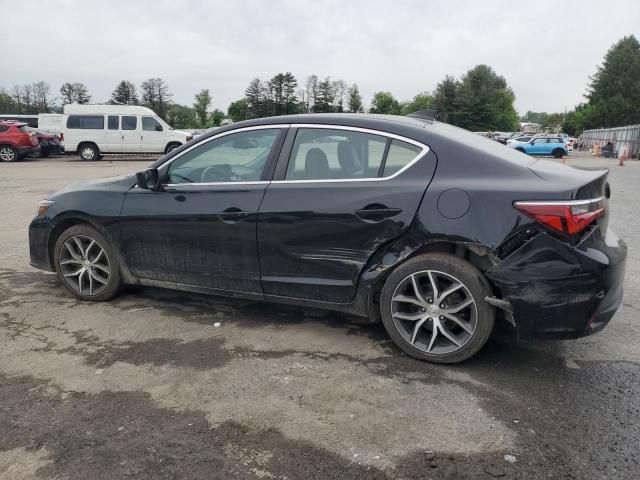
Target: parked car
<point>93,130</point>
<point>542,146</point>
<point>50,144</point>
<point>438,232</point>
<point>16,141</point>
<point>521,139</point>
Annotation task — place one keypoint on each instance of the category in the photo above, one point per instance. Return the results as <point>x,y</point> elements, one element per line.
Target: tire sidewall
<point>473,280</point>
<point>96,153</point>
<point>115,279</point>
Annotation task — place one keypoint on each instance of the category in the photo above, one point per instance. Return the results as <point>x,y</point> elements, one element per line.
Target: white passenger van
<point>93,130</point>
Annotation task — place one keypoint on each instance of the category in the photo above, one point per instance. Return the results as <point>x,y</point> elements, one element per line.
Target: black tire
<point>89,152</point>
<point>474,284</point>
<point>113,285</point>
<point>8,153</point>
<point>558,153</point>
<point>171,147</point>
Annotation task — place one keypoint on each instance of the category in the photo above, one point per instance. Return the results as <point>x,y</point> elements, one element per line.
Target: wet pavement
<point>161,384</point>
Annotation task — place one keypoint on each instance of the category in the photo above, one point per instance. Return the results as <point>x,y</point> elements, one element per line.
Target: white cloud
<point>545,50</point>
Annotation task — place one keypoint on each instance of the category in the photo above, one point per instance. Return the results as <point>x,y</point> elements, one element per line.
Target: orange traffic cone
<point>623,157</point>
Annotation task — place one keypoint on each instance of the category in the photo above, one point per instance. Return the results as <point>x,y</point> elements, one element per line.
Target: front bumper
<point>39,231</point>
<point>560,291</point>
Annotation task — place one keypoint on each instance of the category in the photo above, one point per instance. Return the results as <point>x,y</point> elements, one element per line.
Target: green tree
<point>74,93</point>
<point>217,116</point>
<point>124,94</point>
<point>259,99</point>
<point>422,101</point>
<point>238,110</point>
<point>180,116</point>
<point>325,97</point>
<point>7,104</point>
<point>156,96</point>
<point>484,101</point>
<point>354,99</point>
<point>385,102</point>
<point>614,94</point>
<point>444,99</point>
<point>201,103</point>
<point>282,93</point>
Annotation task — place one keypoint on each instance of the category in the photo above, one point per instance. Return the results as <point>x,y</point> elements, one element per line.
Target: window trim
<point>162,169</point>
<point>387,135</point>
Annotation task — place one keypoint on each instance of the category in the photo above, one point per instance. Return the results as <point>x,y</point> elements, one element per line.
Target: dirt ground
<point>160,384</point>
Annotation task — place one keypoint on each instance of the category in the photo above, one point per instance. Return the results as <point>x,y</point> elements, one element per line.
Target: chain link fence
<point>621,137</point>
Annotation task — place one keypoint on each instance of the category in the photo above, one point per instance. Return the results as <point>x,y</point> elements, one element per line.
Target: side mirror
<point>158,128</point>
<point>148,179</point>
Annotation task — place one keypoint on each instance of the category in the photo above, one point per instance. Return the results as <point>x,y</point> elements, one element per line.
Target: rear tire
<point>86,264</point>
<point>89,152</point>
<point>558,153</point>
<point>8,153</point>
<point>455,308</point>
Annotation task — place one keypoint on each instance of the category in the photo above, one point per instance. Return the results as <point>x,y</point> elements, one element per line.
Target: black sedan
<point>437,232</point>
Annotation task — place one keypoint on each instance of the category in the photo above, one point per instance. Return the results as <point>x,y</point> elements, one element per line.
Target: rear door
<point>113,142</point>
<point>339,193</point>
<point>130,133</point>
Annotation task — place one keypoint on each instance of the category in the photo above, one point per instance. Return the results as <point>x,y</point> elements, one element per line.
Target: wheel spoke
<point>416,329</point>
<point>434,334</point>
<point>449,335</point>
<point>69,261</point>
<point>449,291</point>
<point>416,289</point>
<point>102,268</point>
<point>434,286</point>
<point>78,243</point>
<point>90,282</point>
<point>74,274</point>
<point>407,299</point>
<point>408,316</point>
<point>80,280</point>
<point>461,323</point>
<point>72,251</point>
<point>99,256</point>
<point>86,250</point>
<point>462,306</point>
<point>97,277</point>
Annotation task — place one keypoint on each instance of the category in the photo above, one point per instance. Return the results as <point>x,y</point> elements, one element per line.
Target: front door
<point>538,146</point>
<point>341,194</point>
<point>200,228</point>
<point>130,133</point>
<point>152,137</point>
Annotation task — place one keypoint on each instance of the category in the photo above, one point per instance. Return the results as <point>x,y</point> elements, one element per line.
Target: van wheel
<point>171,147</point>
<point>8,153</point>
<point>433,307</point>
<point>558,153</point>
<point>89,152</point>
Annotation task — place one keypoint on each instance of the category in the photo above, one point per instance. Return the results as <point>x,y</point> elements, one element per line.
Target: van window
<point>129,123</point>
<point>91,122</point>
<point>150,124</point>
<point>113,122</point>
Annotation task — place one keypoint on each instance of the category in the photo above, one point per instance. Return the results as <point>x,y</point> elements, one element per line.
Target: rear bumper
<point>558,291</point>
<point>24,151</point>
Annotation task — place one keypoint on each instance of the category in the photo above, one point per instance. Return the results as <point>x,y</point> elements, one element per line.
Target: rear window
<point>113,122</point>
<point>3,128</point>
<point>400,155</point>
<point>88,122</point>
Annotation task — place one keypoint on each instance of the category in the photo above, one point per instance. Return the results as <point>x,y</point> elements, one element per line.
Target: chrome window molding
<point>425,150</point>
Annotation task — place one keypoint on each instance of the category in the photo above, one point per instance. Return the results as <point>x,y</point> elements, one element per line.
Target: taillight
<point>568,217</point>
<point>61,137</point>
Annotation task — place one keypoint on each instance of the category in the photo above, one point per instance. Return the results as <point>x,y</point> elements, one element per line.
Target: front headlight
<point>43,206</point>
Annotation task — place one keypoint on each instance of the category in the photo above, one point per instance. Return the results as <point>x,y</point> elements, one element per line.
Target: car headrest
<point>316,164</point>
<point>348,158</point>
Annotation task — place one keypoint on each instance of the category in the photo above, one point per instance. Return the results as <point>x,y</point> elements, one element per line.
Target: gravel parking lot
<point>160,384</point>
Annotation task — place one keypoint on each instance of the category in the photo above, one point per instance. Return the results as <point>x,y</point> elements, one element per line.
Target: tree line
<point>480,100</point>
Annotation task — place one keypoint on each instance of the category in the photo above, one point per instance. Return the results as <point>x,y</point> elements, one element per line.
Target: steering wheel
<point>215,173</point>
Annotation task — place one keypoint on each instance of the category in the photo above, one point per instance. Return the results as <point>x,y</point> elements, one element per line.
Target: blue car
<point>543,146</point>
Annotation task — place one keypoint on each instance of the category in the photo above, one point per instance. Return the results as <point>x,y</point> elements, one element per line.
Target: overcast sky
<point>546,50</point>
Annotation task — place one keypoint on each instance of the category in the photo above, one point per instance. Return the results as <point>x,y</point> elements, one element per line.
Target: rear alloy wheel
<point>8,153</point>
<point>433,307</point>
<point>89,152</point>
<point>86,264</point>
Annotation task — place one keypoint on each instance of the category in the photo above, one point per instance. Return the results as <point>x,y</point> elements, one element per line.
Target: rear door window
<point>129,122</point>
<point>113,123</point>
<point>400,155</point>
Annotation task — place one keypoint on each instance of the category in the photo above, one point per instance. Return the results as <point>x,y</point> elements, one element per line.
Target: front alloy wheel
<point>433,308</point>
<point>8,154</point>
<point>86,264</point>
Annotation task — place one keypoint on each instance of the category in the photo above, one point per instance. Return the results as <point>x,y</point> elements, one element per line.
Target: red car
<point>17,140</point>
